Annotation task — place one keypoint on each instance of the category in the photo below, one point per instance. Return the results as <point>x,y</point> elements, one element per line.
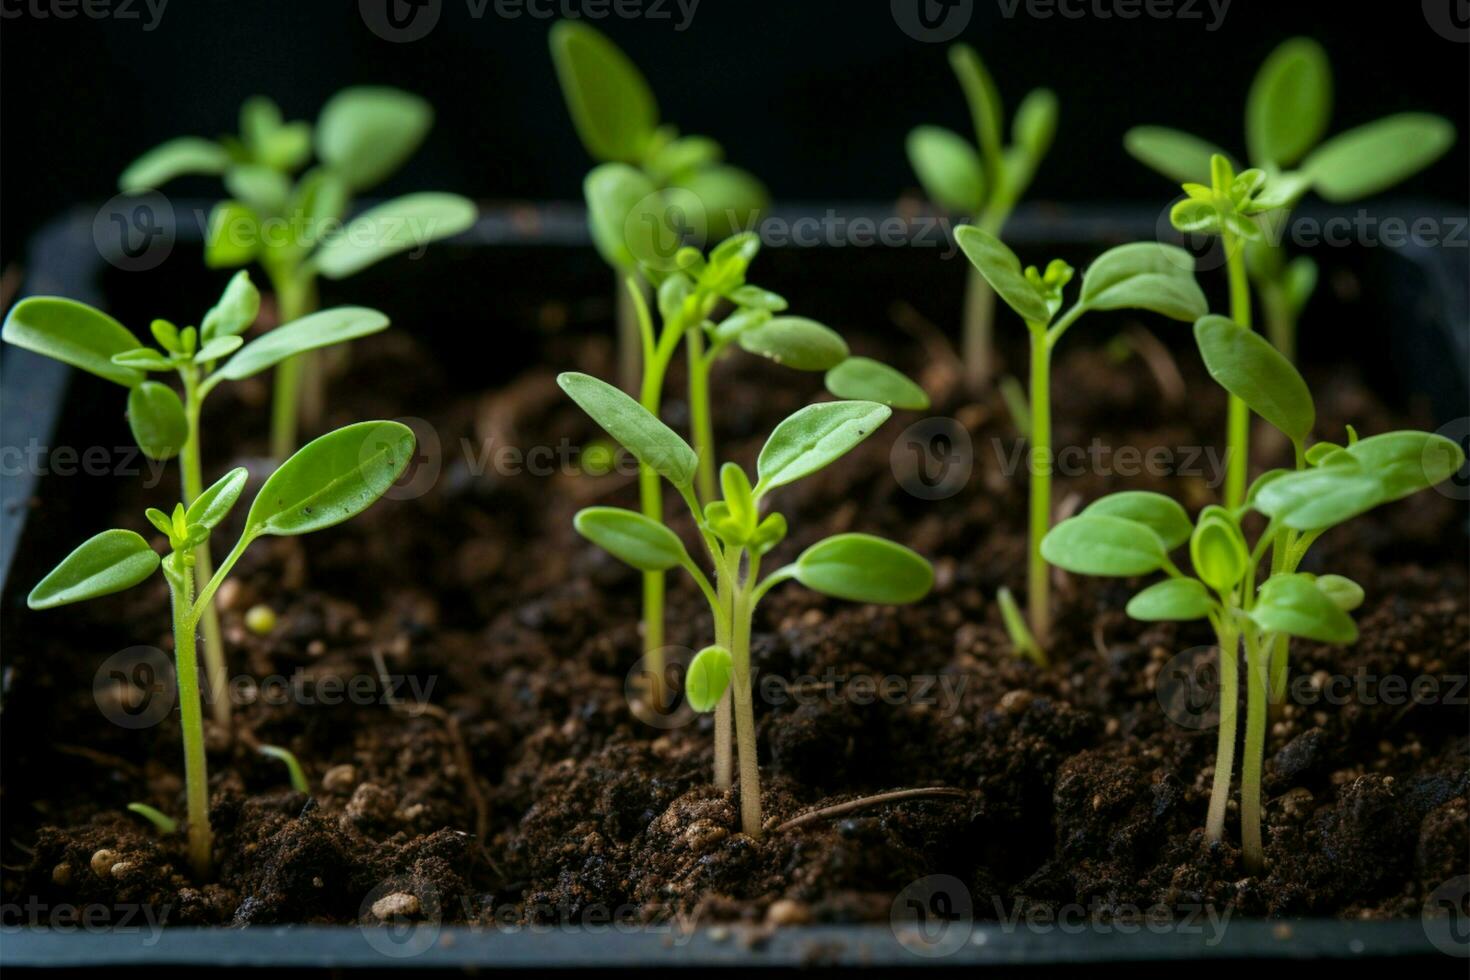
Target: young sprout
<point>1139,276</point>
<point>294,226</point>
<point>645,169</point>
<point>1133,533</point>
<point>327,481</point>
<point>736,535</point>
<point>985,184</point>
<point>1286,116</point>
<point>165,823</point>
<point>293,766</point>
<point>707,304</point>
<point>164,424</point>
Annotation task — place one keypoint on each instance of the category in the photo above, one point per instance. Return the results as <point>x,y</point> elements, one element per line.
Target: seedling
<point>294,226</point>
<point>1229,208</point>
<point>690,297</point>
<point>1286,116</point>
<point>327,481</point>
<point>165,823</point>
<point>1133,533</point>
<point>163,424</point>
<point>293,766</point>
<point>1139,276</point>
<point>858,567</point>
<point>647,171</point>
<point>985,184</point>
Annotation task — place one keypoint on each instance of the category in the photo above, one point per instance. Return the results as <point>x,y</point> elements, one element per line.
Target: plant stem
<point>1237,461</point>
<point>295,298</point>
<point>1280,320</point>
<point>196,776</point>
<point>651,499</point>
<point>215,670</point>
<point>1038,601</point>
<point>977,347</point>
<point>1228,639</point>
<point>750,781</point>
<point>724,711</point>
<point>1255,747</point>
<point>630,347</point>
<point>701,428</point>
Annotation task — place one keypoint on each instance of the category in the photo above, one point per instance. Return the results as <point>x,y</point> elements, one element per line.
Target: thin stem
<point>977,346</point>
<point>1237,461</point>
<point>295,297</point>
<point>1280,318</point>
<point>1226,634</point>
<point>750,781</point>
<point>724,711</point>
<point>1255,747</point>
<point>190,461</point>
<point>650,496</point>
<point>206,595</point>
<point>631,347</point>
<point>1038,600</point>
<point>196,775</point>
<point>701,427</point>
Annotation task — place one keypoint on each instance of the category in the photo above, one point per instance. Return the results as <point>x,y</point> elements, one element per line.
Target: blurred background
<point>815,96</point>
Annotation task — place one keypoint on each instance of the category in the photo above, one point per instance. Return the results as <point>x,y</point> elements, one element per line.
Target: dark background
<point>815,96</point>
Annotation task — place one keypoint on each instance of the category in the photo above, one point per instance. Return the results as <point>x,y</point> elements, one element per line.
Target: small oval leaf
<point>707,678</point>
<point>795,342</point>
<point>404,224</point>
<point>631,537</point>
<point>214,504</point>
<point>323,329</point>
<point>332,478</point>
<point>1376,156</point>
<point>1294,605</point>
<point>1145,276</point>
<point>1290,103</point>
<point>156,417</point>
<point>1319,498</point>
<point>1099,544</point>
<point>1173,600</point>
<point>611,104</point>
<point>639,431</point>
<point>1162,514</point>
<point>814,436</point>
<point>948,167</point>
<point>73,333</point>
<point>1002,269</point>
<point>1249,367</point>
<point>1406,462</point>
<point>865,379</point>
<point>101,565</point>
<point>1181,157</point>
<point>366,132</point>
<point>175,158</point>
<point>864,568</point>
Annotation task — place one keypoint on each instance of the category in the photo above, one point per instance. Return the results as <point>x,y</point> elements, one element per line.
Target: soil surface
<point>500,774</point>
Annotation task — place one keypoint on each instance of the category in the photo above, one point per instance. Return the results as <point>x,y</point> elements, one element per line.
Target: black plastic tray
<point>1409,320</point>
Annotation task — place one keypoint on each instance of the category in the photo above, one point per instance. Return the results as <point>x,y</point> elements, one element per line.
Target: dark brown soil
<point>526,790</point>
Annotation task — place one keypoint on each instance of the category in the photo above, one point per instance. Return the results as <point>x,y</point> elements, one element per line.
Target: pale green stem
<point>216,671</point>
<point>1255,748</point>
<point>977,346</point>
<point>724,711</point>
<point>1280,319</point>
<point>295,298</point>
<point>196,775</point>
<point>1225,633</point>
<point>750,784</point>
<point>1237,463</point>
<point>701,427</point>
<point>630,348</point>
<point>1038,587</point>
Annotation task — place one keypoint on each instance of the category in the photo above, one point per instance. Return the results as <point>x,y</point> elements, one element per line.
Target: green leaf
<point>1174,599</point>
<point>707,678</point>
<point>1319,498</point>
<point>1406,462</point>
<point>403,224</point>
<point>236,310</point>
<point>865,379</point>
<point>1036,123</point>
<point>1217,550</point>
<point>730,198</point>
<point>631,537</point>
<point>796,342</point>
<point>1177,155</point>
<point>1376,156</point>
<point>156,416</point>
<point>233,236</point>
<point>159,520</point>
<point>166,334</point>
<point>612,192</point>
<point>738,322</point>
<point>864,568</point>
<point>1345,594</point>
<point>1002,269</point>
<point>611,104</point>
<point>331,479</point>
<point>364,133</point>
<point>175,158</point>
<point>1163,515</point>
<point>654,444</point>
<point>262,188</point>
<point>949,168</point>
<point>143,359</point>
<point>1290,103</point>
<point>1100,544</point>
<point>73,333</point>
<point>1145,276</point>
<point>323,329</point>
<point>813,437</point>
<point>682,156</point>
<point>1294,605</point>
<point>1300,281</point>
<point>981,95</point>
<point>214,504</point>
<point>756,298</point>
<point>110,562</point>
<point>1245,364</point>
<point>1022,639</point>
<point>738,496</point>
<point>768,533</point>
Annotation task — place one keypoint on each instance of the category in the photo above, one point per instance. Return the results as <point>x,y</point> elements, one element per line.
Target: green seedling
<point>857,567</point>
<point>293,766</point>
<point>1286,116</point>
<point>1233,207</point>
<point>1134,533</point>
<point>327,481</point>
<point>165,823</point>
<point>707,304</point>
<point>164,424</point>
<point>984,184</point>
<point>647,171</point>
<point>297,227</point>
<point>1139,276</point>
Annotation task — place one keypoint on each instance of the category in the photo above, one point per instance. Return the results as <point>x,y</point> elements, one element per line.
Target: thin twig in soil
<point>892,796</point>
<point>1160,363</point>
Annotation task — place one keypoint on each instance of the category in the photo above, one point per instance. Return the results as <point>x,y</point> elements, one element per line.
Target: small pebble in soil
<point>102,862</point>
<point>398,905</point>
<point>61,874</point>
<point>788,912</point>
<point>339,779</point>
<point>260,620</point>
